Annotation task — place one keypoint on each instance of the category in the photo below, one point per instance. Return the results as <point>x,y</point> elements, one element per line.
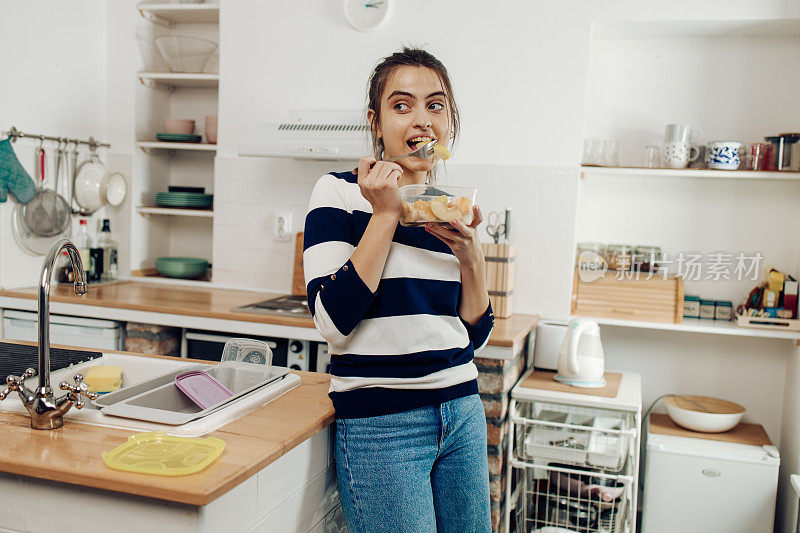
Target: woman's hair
<point>413,57</point>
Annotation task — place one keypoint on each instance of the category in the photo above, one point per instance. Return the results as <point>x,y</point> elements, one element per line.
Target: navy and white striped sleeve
<point>479,333</point>
<point>337,296</point>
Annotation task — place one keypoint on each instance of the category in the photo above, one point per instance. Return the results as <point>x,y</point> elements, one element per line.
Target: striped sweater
<point>404,346</point>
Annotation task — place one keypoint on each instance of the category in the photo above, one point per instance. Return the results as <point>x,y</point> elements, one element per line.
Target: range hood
<point>311,134</point>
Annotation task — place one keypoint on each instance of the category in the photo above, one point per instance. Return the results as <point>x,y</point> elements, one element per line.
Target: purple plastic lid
<point>202,388</point>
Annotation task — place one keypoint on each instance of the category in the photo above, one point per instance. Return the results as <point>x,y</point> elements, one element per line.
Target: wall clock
<point>366,15</point>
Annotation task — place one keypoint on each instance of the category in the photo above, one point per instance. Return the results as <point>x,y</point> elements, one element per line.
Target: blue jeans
<point>416,471</point>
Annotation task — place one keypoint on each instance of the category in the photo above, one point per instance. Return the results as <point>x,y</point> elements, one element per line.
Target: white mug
<point>679,154</point>
<point>725,155</point>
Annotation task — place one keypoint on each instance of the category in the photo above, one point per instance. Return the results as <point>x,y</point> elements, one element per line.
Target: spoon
<point>425,151</point>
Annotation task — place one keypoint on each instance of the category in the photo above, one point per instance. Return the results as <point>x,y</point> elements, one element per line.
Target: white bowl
<point>184,53</point>
<point>724,416</point>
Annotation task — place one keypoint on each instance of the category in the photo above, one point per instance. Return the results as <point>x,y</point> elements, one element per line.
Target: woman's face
<point>413,111</point>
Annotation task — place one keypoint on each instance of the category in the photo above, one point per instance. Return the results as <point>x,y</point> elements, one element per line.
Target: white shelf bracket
<point>155,19</point>
<point>150,84</point>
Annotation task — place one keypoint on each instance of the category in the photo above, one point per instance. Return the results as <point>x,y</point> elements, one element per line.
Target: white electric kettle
<point>581,361</point>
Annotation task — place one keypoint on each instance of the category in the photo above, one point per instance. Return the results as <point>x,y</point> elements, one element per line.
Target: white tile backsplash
<point>250,191</point>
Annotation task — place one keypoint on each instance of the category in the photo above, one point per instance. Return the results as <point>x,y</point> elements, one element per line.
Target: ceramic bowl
<point>184,53</point>
<point>182,126</point>
<point>684,412</point>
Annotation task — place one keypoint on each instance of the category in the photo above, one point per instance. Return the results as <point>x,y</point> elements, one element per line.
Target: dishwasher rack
<point>574,462</point>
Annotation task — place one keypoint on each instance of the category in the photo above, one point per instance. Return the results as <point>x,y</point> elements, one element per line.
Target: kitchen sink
<point>139,374</point>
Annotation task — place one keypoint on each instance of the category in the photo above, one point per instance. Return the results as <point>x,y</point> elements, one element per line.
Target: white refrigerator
<point>700,485</point>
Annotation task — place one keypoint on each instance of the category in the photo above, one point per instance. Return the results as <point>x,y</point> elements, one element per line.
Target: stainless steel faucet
<point>46,410</point>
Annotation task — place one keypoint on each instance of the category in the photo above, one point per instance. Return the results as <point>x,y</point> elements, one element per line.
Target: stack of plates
<point>178,137</point>
<point>184,199</point>
<point>181,267</point>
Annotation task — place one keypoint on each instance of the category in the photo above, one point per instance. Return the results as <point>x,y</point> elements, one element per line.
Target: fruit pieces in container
<point>440,205</point>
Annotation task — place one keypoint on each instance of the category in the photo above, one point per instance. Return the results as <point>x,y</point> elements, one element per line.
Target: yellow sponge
<point>103,378</point>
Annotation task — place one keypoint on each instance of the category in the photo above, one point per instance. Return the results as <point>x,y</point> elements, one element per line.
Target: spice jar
<point>707,309</point>
<point>723,310</point>
<point>647,258</point>
<point>691,307</point>
<point>620,256</point>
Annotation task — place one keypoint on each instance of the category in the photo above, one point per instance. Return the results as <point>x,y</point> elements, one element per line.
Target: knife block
<point>500,277</point>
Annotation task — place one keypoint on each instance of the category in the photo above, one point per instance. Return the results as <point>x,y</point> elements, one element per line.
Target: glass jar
<point>647,258</point>
<point>619,256</point>
<point>783,146</point>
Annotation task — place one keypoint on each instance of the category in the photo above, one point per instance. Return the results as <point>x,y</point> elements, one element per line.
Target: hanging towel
<point>14,178</point>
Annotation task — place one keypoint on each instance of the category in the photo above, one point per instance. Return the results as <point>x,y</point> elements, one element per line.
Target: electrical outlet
<point>282,229</point>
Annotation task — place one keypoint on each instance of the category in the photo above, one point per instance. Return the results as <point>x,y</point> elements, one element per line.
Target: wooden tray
<point>543,380</point>
<point>752,434</point>
<point>789,324</point>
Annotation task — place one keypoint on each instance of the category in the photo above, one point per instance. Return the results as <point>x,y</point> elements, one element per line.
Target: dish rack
<point>574,467</point>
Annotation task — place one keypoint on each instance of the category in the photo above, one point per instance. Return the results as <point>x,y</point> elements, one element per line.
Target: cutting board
<point>298,277</point>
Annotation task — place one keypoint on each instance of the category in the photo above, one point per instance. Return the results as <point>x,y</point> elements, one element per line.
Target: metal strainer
<point>48,214</point>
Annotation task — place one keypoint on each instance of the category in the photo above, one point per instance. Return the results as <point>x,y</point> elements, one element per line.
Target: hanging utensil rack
<point>91,142</point>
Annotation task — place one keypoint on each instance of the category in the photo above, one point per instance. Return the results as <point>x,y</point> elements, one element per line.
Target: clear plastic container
<point>164,455</point>
<point>248,354</point>
<point>438,204</point>
<point>245,363</point>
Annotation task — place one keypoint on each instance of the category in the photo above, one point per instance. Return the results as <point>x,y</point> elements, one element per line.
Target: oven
<point>293,353</point>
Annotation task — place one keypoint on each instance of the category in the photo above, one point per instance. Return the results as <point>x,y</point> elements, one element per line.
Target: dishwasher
<point>78,331</point>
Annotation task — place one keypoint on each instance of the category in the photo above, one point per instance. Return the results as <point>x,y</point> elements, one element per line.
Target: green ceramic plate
<point>181,267</point>
<point>178,137</point>
<point>184,199</point>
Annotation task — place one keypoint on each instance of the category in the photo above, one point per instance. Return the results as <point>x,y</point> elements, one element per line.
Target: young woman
<point>403,310</point>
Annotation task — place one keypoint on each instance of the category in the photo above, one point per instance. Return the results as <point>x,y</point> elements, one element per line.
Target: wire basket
<point>576,500</point>
<point>571,435</point>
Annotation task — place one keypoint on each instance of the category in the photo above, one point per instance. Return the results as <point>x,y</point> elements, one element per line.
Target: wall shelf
<point>170,80</point>
<point>693,173</point>
<point>169,14</point>
<point>157,145</point>
<point>695,325</point>
<point>175,211</point>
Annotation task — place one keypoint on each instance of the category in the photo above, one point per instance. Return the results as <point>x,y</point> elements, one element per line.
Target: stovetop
<point>283,305</point>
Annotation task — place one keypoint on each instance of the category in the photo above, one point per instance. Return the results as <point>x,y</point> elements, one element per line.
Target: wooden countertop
<point>71,454</point>
<point>212,302</point>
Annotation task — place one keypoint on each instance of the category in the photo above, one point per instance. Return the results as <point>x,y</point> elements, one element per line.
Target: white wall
<point>53,83</point>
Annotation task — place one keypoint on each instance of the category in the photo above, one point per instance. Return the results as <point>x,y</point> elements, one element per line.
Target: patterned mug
<point>725,155</point>
<point>679,154</point>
